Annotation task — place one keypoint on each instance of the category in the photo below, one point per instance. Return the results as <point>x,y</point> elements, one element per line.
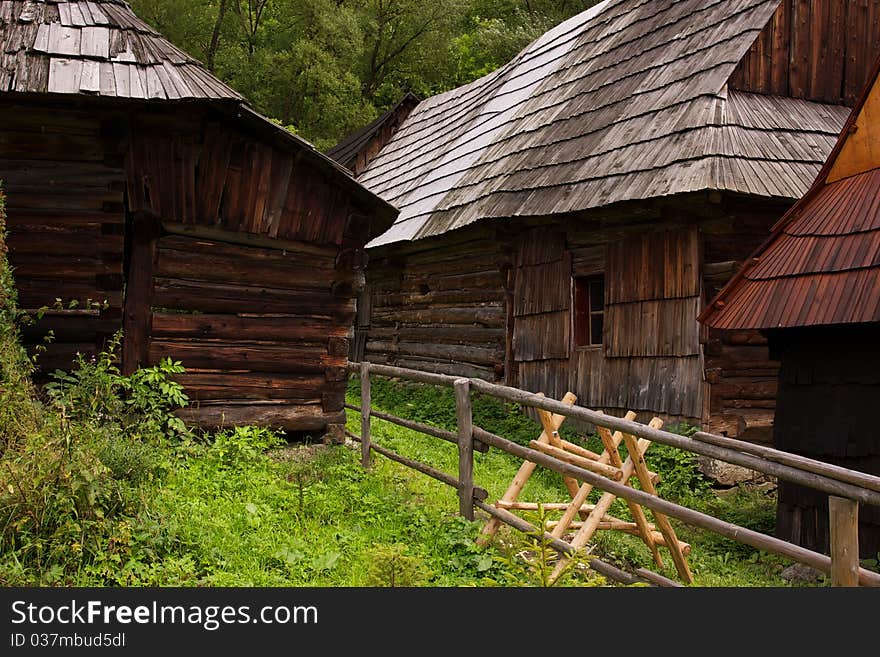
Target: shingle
<point>99,32</point>
<point>625,101</point>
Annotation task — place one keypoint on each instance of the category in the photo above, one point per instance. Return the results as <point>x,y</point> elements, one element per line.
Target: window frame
<point>581,288</point>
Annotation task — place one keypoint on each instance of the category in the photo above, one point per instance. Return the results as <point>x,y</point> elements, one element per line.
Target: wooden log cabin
<point>145,189</point>
<point>813,288</point>
<point>564,219</point>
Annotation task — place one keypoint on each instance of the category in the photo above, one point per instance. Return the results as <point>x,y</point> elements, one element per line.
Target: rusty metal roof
<point>821,264</point>
<point>626,101</point>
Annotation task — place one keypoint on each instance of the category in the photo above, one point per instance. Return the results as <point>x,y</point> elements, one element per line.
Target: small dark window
<point>589,310</point>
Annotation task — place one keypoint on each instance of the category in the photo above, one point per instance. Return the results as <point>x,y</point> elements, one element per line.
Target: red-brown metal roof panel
<point>794,256</point>
<point>814,300</point>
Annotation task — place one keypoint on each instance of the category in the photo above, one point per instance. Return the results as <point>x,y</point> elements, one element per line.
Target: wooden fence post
<point>465,448</point>
<point>844,525</point>
<point>365,414</point>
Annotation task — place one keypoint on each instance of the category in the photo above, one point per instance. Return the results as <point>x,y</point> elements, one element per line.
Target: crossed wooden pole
<point>594,517</point>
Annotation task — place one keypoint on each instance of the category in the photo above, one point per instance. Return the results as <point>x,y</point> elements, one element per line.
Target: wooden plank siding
<point>651,359</point>
<point>224,181</point>
<point>817,50</point>
<point>828,388</point>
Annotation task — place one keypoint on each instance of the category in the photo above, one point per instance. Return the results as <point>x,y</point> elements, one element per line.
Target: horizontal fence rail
<point>846,486</point>
<point>696,518</point>
<point>442,434</point>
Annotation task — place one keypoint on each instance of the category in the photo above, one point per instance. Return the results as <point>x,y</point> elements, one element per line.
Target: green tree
<point>328,67</point>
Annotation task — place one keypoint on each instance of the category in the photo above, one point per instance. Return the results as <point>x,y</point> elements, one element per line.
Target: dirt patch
<point>299,453</point>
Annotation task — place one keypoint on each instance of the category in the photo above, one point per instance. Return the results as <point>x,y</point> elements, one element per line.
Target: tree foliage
<point>327,67</point>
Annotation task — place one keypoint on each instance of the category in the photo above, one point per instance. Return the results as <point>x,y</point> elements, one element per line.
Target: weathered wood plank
<point>289,417</point>
<point>281,357</point>
<point>844,541</point>
<point>138,300</point>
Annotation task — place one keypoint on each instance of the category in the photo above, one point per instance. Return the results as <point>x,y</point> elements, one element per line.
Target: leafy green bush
<point>71,483</point>
<point>139,405</point>
<point>17,412</point>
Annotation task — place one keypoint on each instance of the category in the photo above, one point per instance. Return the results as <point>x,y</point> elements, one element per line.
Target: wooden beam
<point>137,316</point>
<point>366,408</point>
<point>601,567</point>
<point>464,416</point>
<point>589,528</point>
<point>636,511</point>
<point>662,521</point>
<point>585,490</point>
<point>574,459</point>
<point>546,419</point>
<point>844,524</point>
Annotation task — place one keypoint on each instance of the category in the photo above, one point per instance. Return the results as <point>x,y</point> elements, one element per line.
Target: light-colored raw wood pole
<point>844,525</point>
<point>534,506</point>
<point>580,451</point>
<point>637,513</point>
<point>602,506</point>
<point>365,414</point>
<point>644,476</point>
<point>547,423</point>
<point>522,476</point>
<point>587,464</point>
<point>586,489</point>
<point>465,448</point>
<point>612,572</point>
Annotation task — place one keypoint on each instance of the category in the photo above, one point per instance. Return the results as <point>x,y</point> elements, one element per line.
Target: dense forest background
<point>324,68</point>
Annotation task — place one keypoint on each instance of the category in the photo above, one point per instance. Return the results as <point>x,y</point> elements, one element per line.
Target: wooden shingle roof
<point>96,47</point>
<point>626,101</point>
<point>821,265</point>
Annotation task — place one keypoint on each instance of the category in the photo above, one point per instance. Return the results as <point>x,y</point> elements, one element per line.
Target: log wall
<point>741,375</point>
<point>440,305</point>
<point>238,257</point>
<point>64,178</point>
<point>262,337</point>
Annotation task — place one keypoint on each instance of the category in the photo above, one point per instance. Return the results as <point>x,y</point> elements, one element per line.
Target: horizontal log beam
<point>786,458</point>
<point>409,375</point>
<point>247,239</point>
<point>276,416</point>
<point>442,434</point>
<point>589,464</point>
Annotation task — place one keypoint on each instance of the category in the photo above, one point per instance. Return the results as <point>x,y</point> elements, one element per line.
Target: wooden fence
<point>846,488</point>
